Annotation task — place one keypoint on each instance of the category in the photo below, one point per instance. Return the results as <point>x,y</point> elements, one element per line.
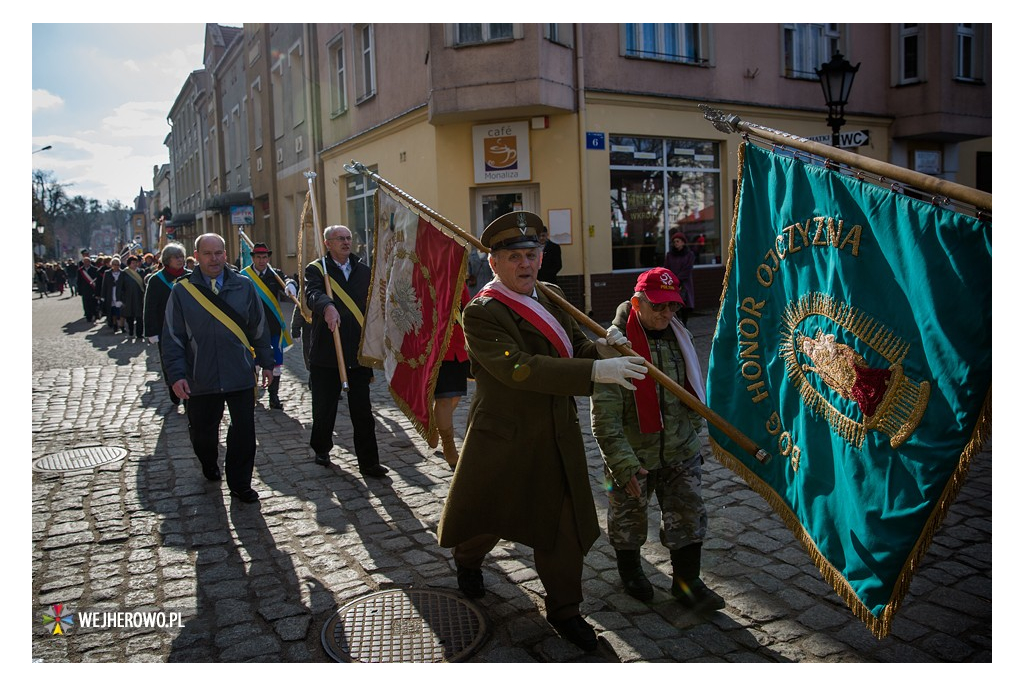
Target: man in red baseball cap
<point>650,445</point>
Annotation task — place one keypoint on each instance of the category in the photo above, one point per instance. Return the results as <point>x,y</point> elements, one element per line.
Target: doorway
<point>490,203</point>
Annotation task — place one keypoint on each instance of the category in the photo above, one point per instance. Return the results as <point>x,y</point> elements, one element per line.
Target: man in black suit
<point>336,290</point>
<point>551,263</point>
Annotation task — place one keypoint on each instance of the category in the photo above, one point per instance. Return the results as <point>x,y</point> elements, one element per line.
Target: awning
<point>180,220</point>
<point>225,201</point>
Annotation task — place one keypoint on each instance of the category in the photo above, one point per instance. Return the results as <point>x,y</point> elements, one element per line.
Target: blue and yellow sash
<point>269,299</point>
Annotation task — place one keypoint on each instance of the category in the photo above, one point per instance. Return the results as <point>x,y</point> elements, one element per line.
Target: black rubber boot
<point>632,574</point>
<point>275,403</point>
<point>687,586</point>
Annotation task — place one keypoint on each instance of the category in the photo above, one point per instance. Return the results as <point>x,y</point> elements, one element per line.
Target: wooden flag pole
<point>679,391</point>
<point>342,371</point>
<point>248,241</point>
<point>730,123</point>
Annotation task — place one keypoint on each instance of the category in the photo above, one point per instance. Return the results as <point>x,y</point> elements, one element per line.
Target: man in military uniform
<point>336,290</point>
<point>650,445</point>
<point>522,474</point>
<point>269,287</point>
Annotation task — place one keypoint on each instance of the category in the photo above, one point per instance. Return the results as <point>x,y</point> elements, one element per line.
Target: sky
<point>101,94</point>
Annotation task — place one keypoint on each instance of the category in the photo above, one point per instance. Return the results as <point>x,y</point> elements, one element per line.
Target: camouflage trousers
<point>684,520</point>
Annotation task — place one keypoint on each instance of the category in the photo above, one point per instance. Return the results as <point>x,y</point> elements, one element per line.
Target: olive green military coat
<point>523,451</point>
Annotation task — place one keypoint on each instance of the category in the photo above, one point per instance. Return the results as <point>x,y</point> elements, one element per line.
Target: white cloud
<point>138,119</point>
<point>42,99</point>
<point>132,65</point>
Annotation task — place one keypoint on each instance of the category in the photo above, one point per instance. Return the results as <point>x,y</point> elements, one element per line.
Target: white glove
<point>606,345</point>
<point>618,370</point>
<point>117,303</point>
<point>153,338</point>
<point>289,289</point>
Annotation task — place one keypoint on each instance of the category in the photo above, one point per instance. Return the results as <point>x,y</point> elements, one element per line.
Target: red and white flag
<point>415,296</point>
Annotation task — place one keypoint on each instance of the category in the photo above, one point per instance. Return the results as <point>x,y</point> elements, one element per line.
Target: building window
<point>339,96</point>
<point>910,50</point>
<point>968,52</point>
<point>806,47</point>
<point>366,75</point>
<point>660,186</point>
<point>235,158</point>
<point>559,33</point>
<point>472,34</point>
<point>667,42</point>
<point>359,192</point>
<point>257,114</point>
<point>277,97</point>
<point>296,85</point>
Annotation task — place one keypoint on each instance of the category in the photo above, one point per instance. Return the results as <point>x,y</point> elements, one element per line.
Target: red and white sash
<point>531,310</point>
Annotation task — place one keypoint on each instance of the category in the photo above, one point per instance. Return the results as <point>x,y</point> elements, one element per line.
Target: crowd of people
<point>521,473</point>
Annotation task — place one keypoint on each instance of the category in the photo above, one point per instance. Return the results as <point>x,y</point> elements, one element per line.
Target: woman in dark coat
<point>679,260</point>
<point>158,291</point>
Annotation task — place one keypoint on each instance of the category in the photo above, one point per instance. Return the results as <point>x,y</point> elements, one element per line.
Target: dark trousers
<point>326,386</point>
<point>204,415</point>
<point>560,566</point>
<point>89,303</point>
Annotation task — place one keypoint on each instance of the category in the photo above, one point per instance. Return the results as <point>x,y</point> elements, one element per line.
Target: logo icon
<point>60,618</point>
<point>667,279</point>
<point>500,153</point>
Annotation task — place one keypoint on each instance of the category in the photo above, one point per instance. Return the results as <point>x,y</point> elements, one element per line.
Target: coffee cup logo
<point>500,153</point>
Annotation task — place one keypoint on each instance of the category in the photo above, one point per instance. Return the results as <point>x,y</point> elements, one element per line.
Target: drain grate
<point>405,626</point>
<point>79,459</point>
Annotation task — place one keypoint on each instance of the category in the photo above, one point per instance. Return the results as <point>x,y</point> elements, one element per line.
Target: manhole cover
<point>405,626</point>
<point>79,459</point>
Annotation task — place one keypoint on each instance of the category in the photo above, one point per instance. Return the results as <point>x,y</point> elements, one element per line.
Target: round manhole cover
<point>405,626</point>
<point>79,459</point>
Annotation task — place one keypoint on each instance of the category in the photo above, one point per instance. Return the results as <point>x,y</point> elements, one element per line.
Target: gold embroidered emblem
<point>521,221</point>
<point>888,400</point>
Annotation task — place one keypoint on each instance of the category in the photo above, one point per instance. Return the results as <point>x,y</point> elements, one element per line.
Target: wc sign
<point>846,138</point>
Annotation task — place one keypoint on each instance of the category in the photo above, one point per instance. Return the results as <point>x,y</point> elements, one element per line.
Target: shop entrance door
<point>490,203</point>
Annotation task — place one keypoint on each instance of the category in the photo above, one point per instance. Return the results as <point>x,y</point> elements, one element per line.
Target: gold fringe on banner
<point>305,217</point>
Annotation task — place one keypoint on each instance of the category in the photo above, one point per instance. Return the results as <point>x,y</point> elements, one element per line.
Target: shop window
<point>359,192</point>
<point>660,186</point>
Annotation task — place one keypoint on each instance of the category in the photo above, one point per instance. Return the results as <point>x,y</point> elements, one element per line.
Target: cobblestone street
<point>259,582</point>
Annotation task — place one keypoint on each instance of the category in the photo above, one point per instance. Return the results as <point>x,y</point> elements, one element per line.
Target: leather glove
<point>618,370</point>
<point>606,345</point>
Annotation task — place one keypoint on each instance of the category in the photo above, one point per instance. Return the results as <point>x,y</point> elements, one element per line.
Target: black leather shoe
<point>471,581</point>
<point>375,471</point>
<point>212,473</point>
<point>276,404</point>
<point>323,459</point>
<point>249,496</point>
<point>577,631</point>
<point>696,595</point>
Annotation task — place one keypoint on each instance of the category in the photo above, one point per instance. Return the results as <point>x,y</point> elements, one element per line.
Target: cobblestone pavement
<point>258,583</point>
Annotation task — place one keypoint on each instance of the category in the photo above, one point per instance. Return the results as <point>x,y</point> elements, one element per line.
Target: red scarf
<point>174,273</point>
<point>648,410</point>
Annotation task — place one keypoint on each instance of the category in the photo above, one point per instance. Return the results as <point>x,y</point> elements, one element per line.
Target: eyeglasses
<point>343,239</point>
<point>671,306</point>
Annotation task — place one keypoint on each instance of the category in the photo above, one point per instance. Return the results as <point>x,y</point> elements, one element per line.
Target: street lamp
<point>836,78</point>
<point>48,147</point>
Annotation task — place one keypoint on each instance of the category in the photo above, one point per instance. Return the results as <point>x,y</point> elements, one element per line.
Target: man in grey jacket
<point>650,445</point>
<point>214,336</point>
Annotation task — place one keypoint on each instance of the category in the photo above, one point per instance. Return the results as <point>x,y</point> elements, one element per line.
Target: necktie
<point>213,286</point>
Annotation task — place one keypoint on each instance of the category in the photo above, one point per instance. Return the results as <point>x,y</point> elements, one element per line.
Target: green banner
<point>854,344</point>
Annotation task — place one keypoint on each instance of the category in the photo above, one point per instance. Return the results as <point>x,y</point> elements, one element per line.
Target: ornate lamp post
<point>836,77</point>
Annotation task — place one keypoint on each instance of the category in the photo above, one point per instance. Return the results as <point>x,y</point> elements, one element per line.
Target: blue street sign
<point>595,141</point>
